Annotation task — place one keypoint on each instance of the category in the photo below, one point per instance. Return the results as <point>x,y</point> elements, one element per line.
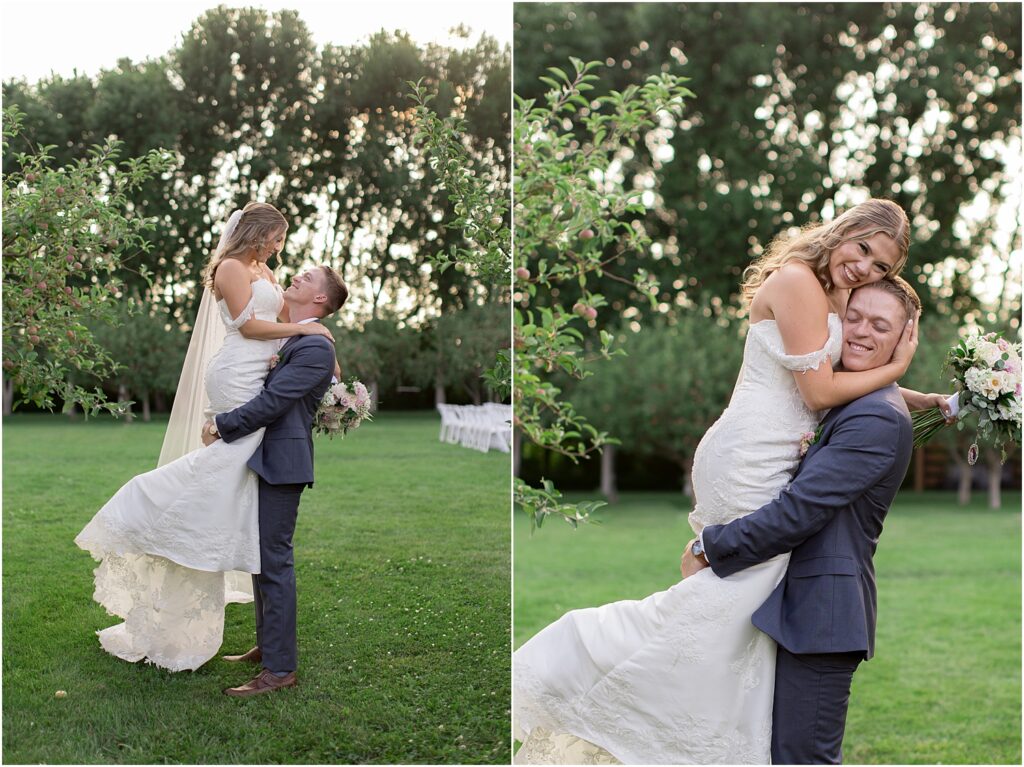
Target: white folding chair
<point>447,422</point>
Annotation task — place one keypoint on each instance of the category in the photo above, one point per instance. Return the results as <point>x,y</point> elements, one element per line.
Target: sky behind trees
<point>43,37</point>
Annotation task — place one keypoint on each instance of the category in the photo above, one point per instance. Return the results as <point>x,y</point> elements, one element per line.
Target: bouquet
<point>344,407</point>
<point>987,375</point>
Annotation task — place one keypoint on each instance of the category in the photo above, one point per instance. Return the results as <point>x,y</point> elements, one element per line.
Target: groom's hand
<point>689,564</point>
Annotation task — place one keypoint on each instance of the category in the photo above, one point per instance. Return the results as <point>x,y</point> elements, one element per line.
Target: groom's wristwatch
<point>697,549</point>
<point>212,429</point>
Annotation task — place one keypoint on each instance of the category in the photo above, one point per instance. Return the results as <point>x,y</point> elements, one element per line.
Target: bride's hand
<point>315,328</point>
<point>930,400</point>
<point>688,563</point>
<point>907,345</point>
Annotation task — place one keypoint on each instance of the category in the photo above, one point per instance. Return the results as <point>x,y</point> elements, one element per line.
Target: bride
<point>171,542</point>
<point>683,677</point>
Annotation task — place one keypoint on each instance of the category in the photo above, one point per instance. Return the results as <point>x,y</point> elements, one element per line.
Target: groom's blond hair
<point>335,289</point>
<point>901,290</point>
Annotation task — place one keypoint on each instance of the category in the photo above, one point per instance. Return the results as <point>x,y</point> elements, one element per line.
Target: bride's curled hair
<point>814,243</point>
<point>259,225</point>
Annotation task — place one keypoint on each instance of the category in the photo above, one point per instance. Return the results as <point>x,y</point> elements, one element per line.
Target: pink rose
<point>362,398</point>
<point>806,440</point>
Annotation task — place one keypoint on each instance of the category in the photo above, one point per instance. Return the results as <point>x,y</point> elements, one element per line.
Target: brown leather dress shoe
<point>253,656</point>
<point>265,682</point>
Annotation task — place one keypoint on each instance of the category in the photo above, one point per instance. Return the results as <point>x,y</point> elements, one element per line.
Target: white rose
<point>990,386</point>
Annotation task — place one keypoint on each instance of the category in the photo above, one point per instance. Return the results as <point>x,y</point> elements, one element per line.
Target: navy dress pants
<point>812,693</point>
<point>274,588</point>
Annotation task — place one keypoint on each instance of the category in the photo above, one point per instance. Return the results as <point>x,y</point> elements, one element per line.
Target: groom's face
<point>871,329</point>
<point>306,287</point>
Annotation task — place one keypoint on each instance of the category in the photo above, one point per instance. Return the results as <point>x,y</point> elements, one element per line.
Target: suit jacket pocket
<point>809,568</point>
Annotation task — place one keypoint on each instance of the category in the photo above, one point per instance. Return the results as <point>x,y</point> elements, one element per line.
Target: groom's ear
<point>320,301</point>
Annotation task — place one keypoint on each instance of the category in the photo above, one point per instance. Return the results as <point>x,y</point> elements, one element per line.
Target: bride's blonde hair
<point>255,229</point>
<point>814,243</point>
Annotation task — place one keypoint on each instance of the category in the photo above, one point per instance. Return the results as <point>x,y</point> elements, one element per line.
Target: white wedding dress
<point>681,677</point>
<point>169,539</point>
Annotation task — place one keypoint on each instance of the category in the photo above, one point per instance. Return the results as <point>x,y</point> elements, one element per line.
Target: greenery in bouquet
<point>987,375</point>
<point>344,406</point>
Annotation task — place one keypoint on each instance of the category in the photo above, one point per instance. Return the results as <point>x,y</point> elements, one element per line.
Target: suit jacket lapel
<point>822,427</point>
<point>281,355</point>
<point>286,344</point>
<point>290,341</point>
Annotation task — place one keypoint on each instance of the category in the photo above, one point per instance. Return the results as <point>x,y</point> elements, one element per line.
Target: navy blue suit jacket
<point>286,407</point>
<point>830,517</point>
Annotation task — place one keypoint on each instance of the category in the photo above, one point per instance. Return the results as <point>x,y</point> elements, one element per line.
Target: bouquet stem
<point>927,423</point>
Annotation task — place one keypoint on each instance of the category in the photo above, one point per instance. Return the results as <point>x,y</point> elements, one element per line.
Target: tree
<point>379,354</point>
<point>569,212</point>
<point>808,108</point>
<point>148,349</point>
<point>253,110</point>
<point>66,232</point>
<point>463,347</point>
<point>672,384</point>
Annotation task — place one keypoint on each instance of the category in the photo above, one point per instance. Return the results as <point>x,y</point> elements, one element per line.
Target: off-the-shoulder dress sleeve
<point>801,363</point>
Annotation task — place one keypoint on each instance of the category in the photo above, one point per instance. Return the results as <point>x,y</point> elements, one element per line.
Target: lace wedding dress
<point>168,539</point>
<point>681,677</point>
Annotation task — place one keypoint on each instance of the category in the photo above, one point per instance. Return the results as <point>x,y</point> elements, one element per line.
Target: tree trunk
<point>8,396</point>
<point>609,485</point>
<point>475,393</point>
<point>517,452</point>
<point>122,396</point>
<point>69,409</point>
<point>688,478</point>
<point>919,470</point>
<point>995,479</point>
<point>146,414</point>
<point>439,391</point>
<point>963,489</point>
<point>374,391</point>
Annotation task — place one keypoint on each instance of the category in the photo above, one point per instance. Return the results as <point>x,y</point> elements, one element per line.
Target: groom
<point>284,463</point>
<point>822,614</point>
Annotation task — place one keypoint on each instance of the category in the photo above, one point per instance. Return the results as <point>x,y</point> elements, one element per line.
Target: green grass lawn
<point>944,686</point>
<point>402,561</point>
